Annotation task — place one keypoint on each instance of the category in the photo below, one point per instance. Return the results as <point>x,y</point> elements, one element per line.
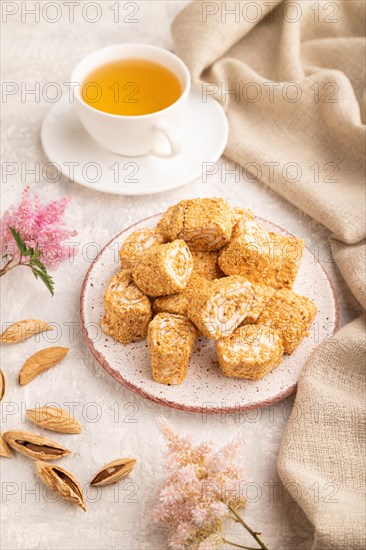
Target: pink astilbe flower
<point>217,510</point>
<point>194,501</point>
<point>33,235</point>
<point>199,515</point>
<point>212,542</point>
<point>187,474</point>
<point>37,223</point>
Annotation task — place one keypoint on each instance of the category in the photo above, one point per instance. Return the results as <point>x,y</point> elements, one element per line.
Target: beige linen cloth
<point>296,73</point>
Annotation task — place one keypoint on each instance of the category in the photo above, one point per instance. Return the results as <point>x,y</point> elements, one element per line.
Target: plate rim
<point>166,402</point>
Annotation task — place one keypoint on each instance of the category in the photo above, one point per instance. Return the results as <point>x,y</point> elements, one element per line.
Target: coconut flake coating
<point>241,216</point>
<point>251,351</point>
<point>240,213</point>
<point>137,242</point>
<point>291,315</point>
<point>243,255</point>
<point>163,269</point>
<point>164,225</point>
<point>205,224</point>
<point>264,258</point>
<point>206,264</point>
<point>262,295</point>
<point>127,311</point>
<point>171,340</point>
<point>285,261</point>
<point>175,303</point>
<point>218,307</point>
<point>178,303</point>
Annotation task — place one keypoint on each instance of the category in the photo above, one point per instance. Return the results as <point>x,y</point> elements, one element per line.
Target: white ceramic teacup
<point>132,135</point>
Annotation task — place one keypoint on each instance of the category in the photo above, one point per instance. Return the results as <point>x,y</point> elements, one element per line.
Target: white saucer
<point>203,134</point>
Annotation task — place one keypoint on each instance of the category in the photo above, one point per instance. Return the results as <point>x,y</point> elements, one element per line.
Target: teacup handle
<point>169,134</point>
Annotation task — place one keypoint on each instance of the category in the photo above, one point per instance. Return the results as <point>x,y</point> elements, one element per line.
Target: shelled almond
<point>54,419</point>
<point>21,330</point>
<point>41,361</point>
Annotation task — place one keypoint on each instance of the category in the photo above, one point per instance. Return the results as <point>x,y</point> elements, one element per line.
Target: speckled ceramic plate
<point>205,389</point>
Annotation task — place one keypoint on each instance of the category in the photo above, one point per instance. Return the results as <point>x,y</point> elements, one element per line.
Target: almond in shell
<point>35,446</point>
<point>4,449</point>
<point>52,418</point>
<point>62,482</point>
<point>113,471</point>
<point>20,331</point>
<point>2,384</point>
<point>41,361</point>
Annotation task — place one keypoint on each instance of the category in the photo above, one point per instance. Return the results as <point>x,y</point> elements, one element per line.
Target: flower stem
<point>238,545</point>
<point>7,267</point>
<point>253,533</point>
<point>233,518</point>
